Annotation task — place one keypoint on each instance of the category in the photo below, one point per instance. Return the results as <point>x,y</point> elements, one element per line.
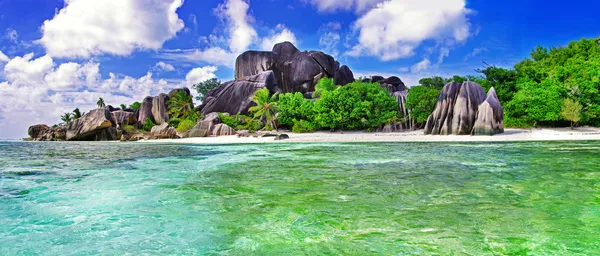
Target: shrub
<point>185,125</point>
<point>357,105</point>
<point>303,126</point>
<point>421,102</point>
<point>241,122</point>
<point>294,107</point>
<point>129,128</point>
<point>325,84</point>
<point>205,86</point>
<point>147,125</point>
<point>174,122</point>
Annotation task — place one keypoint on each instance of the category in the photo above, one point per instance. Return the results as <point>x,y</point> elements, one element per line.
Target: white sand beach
<point>554,134</point>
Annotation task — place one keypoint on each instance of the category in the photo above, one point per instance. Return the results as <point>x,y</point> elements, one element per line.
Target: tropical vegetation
<point>204,87</point>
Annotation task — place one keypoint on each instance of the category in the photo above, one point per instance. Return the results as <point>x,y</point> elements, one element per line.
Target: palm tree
<point>123,106</point>
<point>66,118</point>
<point>180,105</point>
<point>266,107</point>
<point>100,103</point>
<point>77,113</point>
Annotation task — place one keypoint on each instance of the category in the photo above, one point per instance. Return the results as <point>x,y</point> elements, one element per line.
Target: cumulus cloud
<point>237,20</point>
<point>162,66</point>
<point>281,34</point>
<point>3,57</point>
<point>395,28</point>
<point>89,27</point>
<point>423,65</point>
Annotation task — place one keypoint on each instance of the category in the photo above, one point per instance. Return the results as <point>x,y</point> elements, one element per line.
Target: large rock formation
<point>123,118</point>
<point>145,111</point>
<point>96,125</point>
<point>36,132</point>
<point>490,116</point>
<point>160,111</point>
<point>163,131</point>
<point>457,109</point>
<point>295,71</point>
<point>176,90</point>
<point>235,96</point>
<point>223,130</point>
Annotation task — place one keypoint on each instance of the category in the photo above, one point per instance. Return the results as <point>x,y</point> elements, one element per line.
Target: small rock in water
<point>282,136</point>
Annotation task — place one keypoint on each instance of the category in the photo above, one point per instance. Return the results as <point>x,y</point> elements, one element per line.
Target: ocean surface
<point>530,198</point>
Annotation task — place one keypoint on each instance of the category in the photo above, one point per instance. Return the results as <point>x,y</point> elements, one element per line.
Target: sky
<point>56,55</point>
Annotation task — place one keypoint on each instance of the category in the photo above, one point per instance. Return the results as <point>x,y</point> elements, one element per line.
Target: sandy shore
<point>415,136</point>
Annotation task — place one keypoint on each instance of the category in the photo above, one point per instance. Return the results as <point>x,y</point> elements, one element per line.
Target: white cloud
<point>235,15</point>
<point>3,57</point>
<point>423,65</point>
<point>475,52</point>
<point>330,38</point>
<point>213,56</point>
<point>283,35</point>
<point>343,5</point>
<point>26,70</point>
<point>395,28</point>
<point>197,75</point>
<point>444,52</point>
<point>162,66</point>
<point>90,27</point>
<point>11,35</point>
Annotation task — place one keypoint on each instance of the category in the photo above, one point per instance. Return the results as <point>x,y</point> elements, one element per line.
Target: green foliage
<point>294,107</point>
<point>435,82</point>
<point>129,128</point>
<point>571,111</point>
<point>67,117</point>
<point>136,105</point>
<point>185,125</point>
<point>241,122</point>
<point>101,103</point>
<point>421,101</point>
<point>503,80</point>
<point>204,87</point>
<point>123,106</point>
<point>325,84</point>
<point>303,126</point>
<point>266,107</point>
<point>77,113</point>
<point>174,122</point>
<point>147,125</point>
<point>357,106</point>
<point>180,105</point>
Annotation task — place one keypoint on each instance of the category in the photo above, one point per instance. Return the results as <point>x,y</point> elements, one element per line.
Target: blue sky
<point>56,55</point>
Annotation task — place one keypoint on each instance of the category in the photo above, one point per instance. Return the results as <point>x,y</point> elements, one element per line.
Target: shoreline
<point>509,135</point>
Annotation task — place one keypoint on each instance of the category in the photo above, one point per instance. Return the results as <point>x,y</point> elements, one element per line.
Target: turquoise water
<point>533,198</point>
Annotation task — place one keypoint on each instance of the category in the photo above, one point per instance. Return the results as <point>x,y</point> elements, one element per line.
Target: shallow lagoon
<point>540,198</point>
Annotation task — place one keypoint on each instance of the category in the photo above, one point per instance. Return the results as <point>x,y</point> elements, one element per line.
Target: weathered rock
<point>243,133</point>
<point>235,96</point>
<point>160,112</point>
<point>123,118</point>
<point>145,111</point>
<point>163,131</point>
<point>223,130</point>
<point>37,131</point>
<point>294,71</point>
<point>282,136</point>
<point>96,125</point>
<point>212,117</point>
<point>176,90</point>
<point>490,116</point>
<point>58,133</point>
<point>252,63</point>
<point>456,109</point>
<point>344,76</point>
<point>201,129</point>
<point>130,110</point>
<point>262,134</point>
<point>111,108</point>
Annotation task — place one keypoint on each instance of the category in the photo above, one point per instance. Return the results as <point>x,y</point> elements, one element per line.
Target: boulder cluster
<point>396,88</point>
<point>465,109</point>
<point>285,69</point>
